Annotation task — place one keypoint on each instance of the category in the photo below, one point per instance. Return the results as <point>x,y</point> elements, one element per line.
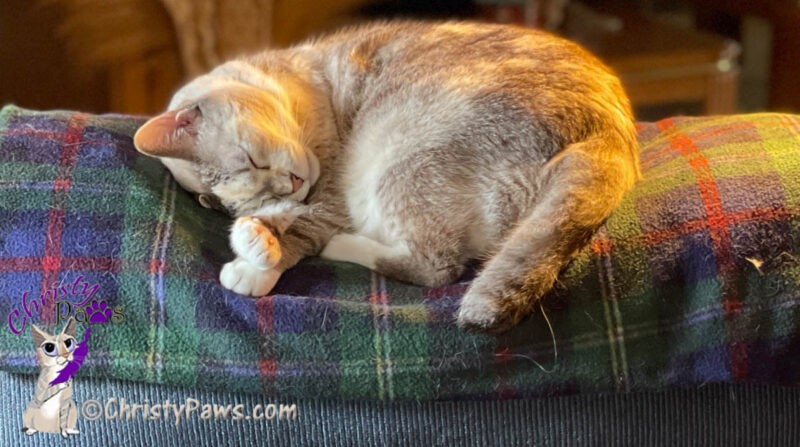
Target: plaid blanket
<point>694,279</point>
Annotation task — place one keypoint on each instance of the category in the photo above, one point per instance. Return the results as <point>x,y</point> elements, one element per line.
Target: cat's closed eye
<point>252,162</point>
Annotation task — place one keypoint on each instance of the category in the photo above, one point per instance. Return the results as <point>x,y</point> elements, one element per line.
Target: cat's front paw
<point>255,243</point>
<point>243,278</point>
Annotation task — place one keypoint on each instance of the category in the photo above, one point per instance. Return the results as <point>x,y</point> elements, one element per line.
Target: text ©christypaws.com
<point>116,409</point>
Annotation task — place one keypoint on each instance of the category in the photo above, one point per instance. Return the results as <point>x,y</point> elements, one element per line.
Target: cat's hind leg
<point>68,415</point>
<point>359,250</point>
<point>72,419</point>
<point>398,262</point>
<point>580,187</point>
<point>418,268</point>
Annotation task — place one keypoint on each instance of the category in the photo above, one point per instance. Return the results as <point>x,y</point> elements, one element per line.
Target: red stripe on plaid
<point>602,245</point>
<point>38,133</point>
<point>790,122</point>
<point>454,290</point>
<point>158,266</point>
<point>502,357</point>
<point>64,138</point>
<point>717,223</point>
<point>753,215</point>
<point>51,263</point>
<point>645,161</point>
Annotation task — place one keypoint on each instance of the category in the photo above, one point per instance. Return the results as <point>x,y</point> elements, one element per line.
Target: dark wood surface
<point>660,63</point>
<point>784,17</point>
<point>36,70</point>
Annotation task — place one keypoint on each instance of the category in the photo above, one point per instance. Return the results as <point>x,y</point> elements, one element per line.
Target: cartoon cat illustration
<point>52,409</point>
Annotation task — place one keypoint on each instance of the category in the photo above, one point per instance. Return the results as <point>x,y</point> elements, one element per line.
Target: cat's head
<point>54,350</point>
<point>236,146</point>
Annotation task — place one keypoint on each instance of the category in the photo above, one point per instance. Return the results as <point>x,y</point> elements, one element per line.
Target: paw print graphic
<point>98,312</point>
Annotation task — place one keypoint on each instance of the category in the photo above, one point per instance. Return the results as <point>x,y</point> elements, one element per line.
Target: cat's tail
<point>580,187</point>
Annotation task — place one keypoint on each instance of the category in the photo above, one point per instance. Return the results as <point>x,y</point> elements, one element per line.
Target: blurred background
<point>691,57</point>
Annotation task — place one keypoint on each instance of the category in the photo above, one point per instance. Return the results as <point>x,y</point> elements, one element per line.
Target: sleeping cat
<point>409,148</point>
<point>52,409</point>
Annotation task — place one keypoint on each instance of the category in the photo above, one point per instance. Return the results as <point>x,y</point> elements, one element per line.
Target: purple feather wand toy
<point>78,355</point>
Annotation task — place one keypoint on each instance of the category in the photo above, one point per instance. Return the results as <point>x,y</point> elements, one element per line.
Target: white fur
<point>245,279</point>
<point>359,249</point>
<point>411,127</point>
<point>254,243</point>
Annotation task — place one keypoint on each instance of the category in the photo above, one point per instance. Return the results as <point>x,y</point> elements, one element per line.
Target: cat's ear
<point>171,134</point>
<point>69,328</point>
<point>39,336</point>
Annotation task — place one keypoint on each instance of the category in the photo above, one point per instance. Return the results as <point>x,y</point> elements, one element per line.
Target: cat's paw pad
<point>244,279</point>
<point>255,243</point>
<point>98,312</point>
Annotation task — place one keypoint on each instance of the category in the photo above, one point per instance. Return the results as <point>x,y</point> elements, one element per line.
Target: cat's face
<point>236,146</point>
<point>54,350</point>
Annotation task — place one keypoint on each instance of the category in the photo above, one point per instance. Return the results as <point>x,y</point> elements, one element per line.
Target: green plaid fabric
<point>694,279</point>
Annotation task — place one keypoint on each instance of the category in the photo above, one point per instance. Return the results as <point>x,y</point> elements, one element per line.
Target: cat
<point>409,148</point>
<point>52,409</point>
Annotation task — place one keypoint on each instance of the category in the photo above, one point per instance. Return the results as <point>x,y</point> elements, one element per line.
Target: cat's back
<point>473,66</point>
<point>467,51</point>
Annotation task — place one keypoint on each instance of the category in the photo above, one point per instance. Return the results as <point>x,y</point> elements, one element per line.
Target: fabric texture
<point>693,280</point>
<point>714,415</point>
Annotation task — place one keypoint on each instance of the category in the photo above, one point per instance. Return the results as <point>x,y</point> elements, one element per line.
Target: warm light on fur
<point>418,147</point>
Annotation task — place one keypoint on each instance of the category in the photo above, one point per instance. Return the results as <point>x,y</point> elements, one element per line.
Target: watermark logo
<point>75,300</point>
<point>52,409</point>
<point>59,355</point>
<point>118,409</point>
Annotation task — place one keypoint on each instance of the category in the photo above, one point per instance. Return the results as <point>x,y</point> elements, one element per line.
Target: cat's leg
<point>266,244</point>
<point>258,252</point>
<point>66,418</point>
<point>425,258</point>
<point>580,187</point>
<point>423,266</point>
<point>429,246</point>
<point>253,242</point>
<point>246,279</point>
<point>72,419</point>
<point>359,250</point>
